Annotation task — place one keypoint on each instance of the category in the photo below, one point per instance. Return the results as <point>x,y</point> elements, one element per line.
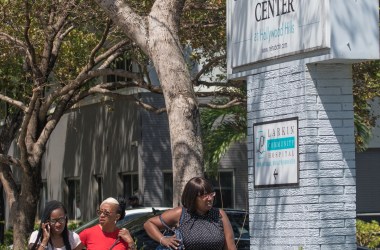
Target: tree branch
<point>100,44</point>
<point>25,123</point>
<point>206,67</point>
<point>52,39</point>
<point>81,79</point>
<point>9,184</point>
<point>114,49</point>
<point>101,90</point>
<point>59,110</point>
<point>30,49</point>
<point>9,160</point>
<point>190,6</point>
<point>14,102</point>
<point>130,22</point>
<point>12,40</point>
<point>139,84</point>
<point>229,84</point>
<point>57,45</point>
<point>230,104</point>
<point>110,59</point>
<point>144,105</point>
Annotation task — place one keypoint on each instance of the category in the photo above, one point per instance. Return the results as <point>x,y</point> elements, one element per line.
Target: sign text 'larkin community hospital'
<point>276,152</point>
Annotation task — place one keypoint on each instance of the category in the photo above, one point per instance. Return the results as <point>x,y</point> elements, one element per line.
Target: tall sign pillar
<point>296,56</point>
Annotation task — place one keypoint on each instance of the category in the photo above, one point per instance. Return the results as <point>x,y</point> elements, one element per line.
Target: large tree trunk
<point>157,36</point>
<point>181,103</point>
<point>24,209</point>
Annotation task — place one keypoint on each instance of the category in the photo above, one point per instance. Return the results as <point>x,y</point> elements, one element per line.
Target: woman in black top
<point>202,226</point>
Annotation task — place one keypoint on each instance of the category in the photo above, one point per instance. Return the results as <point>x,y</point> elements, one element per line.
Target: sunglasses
<point>207,196</point>
<point>59,220</point>
<point>105,212</point>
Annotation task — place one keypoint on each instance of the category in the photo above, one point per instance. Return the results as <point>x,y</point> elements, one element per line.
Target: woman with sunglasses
<point>106,235</point>
<point>202,226</point>
<point>53,232</point>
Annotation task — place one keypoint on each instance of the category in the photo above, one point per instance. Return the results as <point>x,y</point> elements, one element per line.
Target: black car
<point>238,218</point>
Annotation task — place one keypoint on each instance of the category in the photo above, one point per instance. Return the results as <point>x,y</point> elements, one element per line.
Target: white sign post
<point>297,56</point>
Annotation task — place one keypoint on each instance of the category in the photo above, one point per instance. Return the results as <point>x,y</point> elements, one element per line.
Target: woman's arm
<point>153,227</point>
<point>76,240</point>
<point>228,232</point>
<point>79,247</point>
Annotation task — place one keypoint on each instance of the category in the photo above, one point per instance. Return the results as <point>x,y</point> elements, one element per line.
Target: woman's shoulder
<point>90,229</point>
<point>174,211</point>
<point>172,215</point>
<point>33,236</point>
<point>74,239</point>
<point>35,232</point>
<point>73,234</point>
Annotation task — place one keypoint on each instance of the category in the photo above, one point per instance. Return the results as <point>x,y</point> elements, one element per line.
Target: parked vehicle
<point>238,218</point>
<point>129,215</point>
<point>134,221</point>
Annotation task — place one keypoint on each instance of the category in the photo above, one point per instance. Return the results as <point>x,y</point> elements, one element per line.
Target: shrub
<point>368,233</point>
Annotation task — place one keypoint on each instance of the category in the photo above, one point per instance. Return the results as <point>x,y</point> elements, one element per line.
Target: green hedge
<point>368,233</point>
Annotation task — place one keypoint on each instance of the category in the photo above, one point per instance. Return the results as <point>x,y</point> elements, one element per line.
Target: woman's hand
<point>126,236</point>
<point>46,231</point>
<point>170,241</point>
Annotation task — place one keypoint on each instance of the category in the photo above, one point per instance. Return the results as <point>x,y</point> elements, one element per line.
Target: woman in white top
<point>53,232</point>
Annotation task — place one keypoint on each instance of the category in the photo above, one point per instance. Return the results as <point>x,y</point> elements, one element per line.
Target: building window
<point>130,184</point>
<point>224,188</point>
<point>168,189</point>
<point>120,63</point>
<point>74,199</point>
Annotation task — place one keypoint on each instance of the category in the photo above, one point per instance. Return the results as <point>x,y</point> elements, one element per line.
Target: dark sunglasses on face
<point>105,212</point>
<point>59,220</point>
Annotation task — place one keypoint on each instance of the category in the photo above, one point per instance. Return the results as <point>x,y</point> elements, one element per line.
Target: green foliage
<point>8,237</point>
<point>220,129</point>
<point>368,233</point>
<point>72,225</point>
<point>366,88</point>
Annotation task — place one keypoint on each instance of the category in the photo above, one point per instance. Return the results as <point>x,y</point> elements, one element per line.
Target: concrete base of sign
<point>320,212</point>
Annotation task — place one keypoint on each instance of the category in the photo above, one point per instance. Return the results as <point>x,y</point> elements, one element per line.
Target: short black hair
<point>121,207</point>
<point>195,187</point>
<point>133,198</point>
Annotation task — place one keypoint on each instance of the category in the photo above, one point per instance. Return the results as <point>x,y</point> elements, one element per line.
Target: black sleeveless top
<point>202,232</point>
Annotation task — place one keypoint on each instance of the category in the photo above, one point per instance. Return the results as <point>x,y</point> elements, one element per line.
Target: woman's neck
<point>55,236</point>
<point>108,228</point>
<point>201,212</point>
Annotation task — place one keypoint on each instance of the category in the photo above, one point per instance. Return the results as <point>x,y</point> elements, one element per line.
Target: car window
<point>240,224</point>
<point>136,228</point>
<point>131,217</point>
